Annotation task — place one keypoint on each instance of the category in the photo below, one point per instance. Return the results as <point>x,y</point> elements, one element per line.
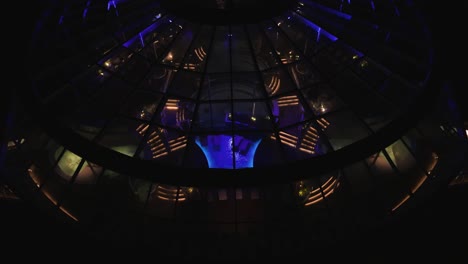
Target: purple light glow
<point>142,34</point>
<point>221,151</point>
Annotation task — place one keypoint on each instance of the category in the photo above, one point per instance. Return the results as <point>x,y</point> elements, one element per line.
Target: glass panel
<point>197,54</point>
<point>154,145</point>
<point>370,71</point>
<point>176,113</point>
<point>277,82</point>
<point>246,86</point>
<point>135,69</point>
<point>323,61</point>
<point>301,34</point>
<point>219,59</point>
<point>123,135</point>
<point>373,108</point>
<point>158,79</point>
<point>212,116</point>
<point>342,128</point>
<point>262,48</point>
<point>175,144</point>
<point>110,177</point>
<point>303,74</point>
<point>89,82</point>
<point>186,84</point>
<point>289,110</point>
<point>406,165</point>
<point>141,105</point>
<point>161,37</point>
<point>216,87</point>
<point>140,189</point>
<point>342,55</point>
<point>322,99</point>
<point>422,150</point>
<point>390,187</point>
<point>253,115</point>
<point>314,192</point>
<point>302,142</point>
<point>116,59</point>
<point>242,59</point>
<point>88,173</point>
<point>178,49</point>
<point>283,48</point>
<point>320,37</point>
<point>67,165</point>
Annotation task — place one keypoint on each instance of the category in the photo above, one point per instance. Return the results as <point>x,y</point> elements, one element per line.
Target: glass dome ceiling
<point>147,81</point>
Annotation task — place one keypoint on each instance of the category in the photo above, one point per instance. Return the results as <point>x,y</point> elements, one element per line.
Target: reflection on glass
<point>283,48</point>
<point>253,115</point>
<point>303,74</point>
<point>161,38</point>
<point>88,174</point>
<point>312,192</point>
<point>178,49</point>
<point>141,105</point>
<point>114,61</point>
<point>68,164</point>
<point>289,110</point>
<point>262,49</point>
<point>343,128</point>
<point>197,54</point>
<point>277,82</point>
<point>158,79</point>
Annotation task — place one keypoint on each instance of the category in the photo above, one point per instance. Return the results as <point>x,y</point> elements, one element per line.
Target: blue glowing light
<point>142,34</point>
<point>227,151</point>
<point>113,4</point>
<point>142,40</point>
<point>85,11</point>
<point>318,29</point>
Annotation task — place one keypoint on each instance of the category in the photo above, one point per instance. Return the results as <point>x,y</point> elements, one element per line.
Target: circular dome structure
<point>319,117</point>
